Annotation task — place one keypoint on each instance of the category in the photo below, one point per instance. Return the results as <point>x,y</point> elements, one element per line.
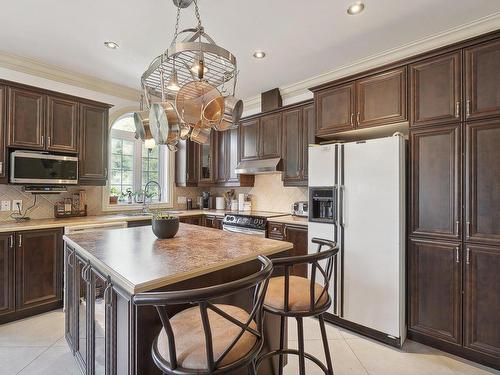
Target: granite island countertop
<point>138,261</point>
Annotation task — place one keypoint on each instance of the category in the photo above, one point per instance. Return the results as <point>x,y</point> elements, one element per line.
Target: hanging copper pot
<point>164,123</point>
<point>200,134</point>
<point>192,99</point>
<point>233,110</point>
<point>141,122</point>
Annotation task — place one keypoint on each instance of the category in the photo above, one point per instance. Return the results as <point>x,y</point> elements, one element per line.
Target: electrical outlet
<point>15,206</point>
<point>5,205</point>
<point>181,200</point>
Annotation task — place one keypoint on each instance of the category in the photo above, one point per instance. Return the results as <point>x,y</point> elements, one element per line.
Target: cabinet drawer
<point>275,231</point>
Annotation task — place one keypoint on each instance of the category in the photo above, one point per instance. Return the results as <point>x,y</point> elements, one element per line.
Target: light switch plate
<point>5,205</point>
<point>14,204</point>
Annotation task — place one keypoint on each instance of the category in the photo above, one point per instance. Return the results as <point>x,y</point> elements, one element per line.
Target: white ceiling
<point>302,38</point>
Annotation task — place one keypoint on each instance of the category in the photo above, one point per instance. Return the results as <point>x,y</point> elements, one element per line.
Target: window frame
<point>166,160</point>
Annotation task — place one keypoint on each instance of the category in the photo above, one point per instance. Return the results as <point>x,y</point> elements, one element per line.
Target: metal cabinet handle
<point>42,140</point>
<point>468,229</point>
<point>48,141</point>
<point>106,172</point>
<point>468,108</point>
<point>11,241</point>
<point>284,231</point>
<point>467,256</point>
<point>457,227</point>
<point>357,117</point>
<point>1,167</point>
<point>20,237</point>
<point>457,110</point>
<point>108,293</point>
<point>457,254</point>
<point>352,117</point>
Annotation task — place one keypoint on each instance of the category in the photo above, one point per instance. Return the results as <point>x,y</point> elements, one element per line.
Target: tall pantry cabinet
<point>454,245</point>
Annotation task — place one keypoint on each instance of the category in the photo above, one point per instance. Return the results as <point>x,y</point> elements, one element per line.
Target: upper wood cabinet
<point>381,99</point>
<point>222,149</point>
<point>308,136</point>
<point>336,107</point>
<point>206,165</point>
<point>482,182</point>
<point>482,305</point>
<point>3,132</point>
<point>7,291</point>
<point>482,80</point>
<point>26,119</point>
<point>436,182</point>
<point>186,164</point>
<point>435,287</point>
<point>232,154</point>
<point>270,136</point>
<point>93,144</point>
<point>62,125</point>
<point>436,90</point>
<point>249,139</point>
<point>39,267</point>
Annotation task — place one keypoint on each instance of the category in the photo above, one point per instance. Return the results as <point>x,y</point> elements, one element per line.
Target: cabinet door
<point>270,136</point>
<point>435,289</point>
<point>93,155</point>
<point>69,296</point>
<point>381,99</point>
<point>249,139</point>
<point>7,303</point>
<point>297,236</point>
<point>335,108</point>
<point>38,267</point>
<point>62,124</point>
<point>482,302</point>
<point>3,132</point>
<point>186,165</point>
<point>435,92</point>
<point>482,81</point>
<point>218,222</point>
<point>436,182</point>
<point>209,221</point>
<point>222,157</point>
<point>192,163</point>
<point>206,161</point>
<point>308,137</point>
<point>26,123</point>
<point>233,155</point>
<point>483,181</point>
<point>292,145</point>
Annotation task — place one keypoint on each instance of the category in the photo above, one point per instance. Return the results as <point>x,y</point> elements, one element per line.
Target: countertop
<point>12,226</point>
<point>289,219</point>
<point>138,261</point>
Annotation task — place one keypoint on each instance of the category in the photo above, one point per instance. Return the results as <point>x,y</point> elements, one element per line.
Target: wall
<point>269,194</point>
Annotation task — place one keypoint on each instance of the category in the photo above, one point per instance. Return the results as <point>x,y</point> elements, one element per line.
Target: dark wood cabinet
<point>211,221</point>
<point>436,90</point>
<point>482,80</point>
<point>93,144</point>
<point>194,220</point>
<point>482,182</point>
<point>39,263</point>
<point>186,164</point>
<point>381,98</point>
<point>298,236</point>
<point>270,136</point>
<point>335,108</point>
<point>222,148</point>
<point>7,291</point>
<point>292,145</point>
<point>3,133</point>
<point>249,139</point>
<point>436,182</point>
<point>26,119</point>
<point>435,278</point>
<point>62,125</point>
<point>308,136</point>
<point>482,302</point>
<point>69,296</point>
<point>206,161</point>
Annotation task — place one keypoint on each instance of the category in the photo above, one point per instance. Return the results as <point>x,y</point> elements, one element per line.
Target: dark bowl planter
<point>165,228</point>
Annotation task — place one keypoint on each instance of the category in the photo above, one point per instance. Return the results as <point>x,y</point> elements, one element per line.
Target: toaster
<point>300,209</point>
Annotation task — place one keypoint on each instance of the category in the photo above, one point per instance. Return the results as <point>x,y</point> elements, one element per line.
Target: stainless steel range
<point>253,223</point>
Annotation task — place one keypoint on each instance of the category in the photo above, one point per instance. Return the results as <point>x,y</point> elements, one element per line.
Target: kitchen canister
<point>220,203</point>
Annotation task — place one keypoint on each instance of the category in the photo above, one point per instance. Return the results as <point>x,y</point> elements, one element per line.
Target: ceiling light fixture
<point>111,45</point>
<point>355,8</point>
<point>259,54</point>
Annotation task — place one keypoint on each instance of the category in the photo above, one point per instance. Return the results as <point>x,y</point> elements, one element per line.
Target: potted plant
<point>114,193</point>
<point>164,225</point>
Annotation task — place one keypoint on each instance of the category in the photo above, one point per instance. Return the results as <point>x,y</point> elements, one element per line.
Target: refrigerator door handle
<point>342,205</point>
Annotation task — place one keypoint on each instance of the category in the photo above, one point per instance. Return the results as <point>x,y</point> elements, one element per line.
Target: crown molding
<point>40,69</point>
<point>454,35</point>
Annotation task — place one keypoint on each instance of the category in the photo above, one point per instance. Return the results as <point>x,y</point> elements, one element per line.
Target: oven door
<point>242,230</point>
<point>39,168</point>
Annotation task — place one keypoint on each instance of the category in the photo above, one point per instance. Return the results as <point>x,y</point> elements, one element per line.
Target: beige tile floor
<point>36,346</point>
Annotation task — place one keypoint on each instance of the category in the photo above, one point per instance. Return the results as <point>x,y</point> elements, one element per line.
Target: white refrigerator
<point>368,181</point>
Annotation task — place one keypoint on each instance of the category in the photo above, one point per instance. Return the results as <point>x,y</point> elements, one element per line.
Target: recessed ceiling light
<point>259,54</point>
<point>355,8</point>
<point>111,45</point>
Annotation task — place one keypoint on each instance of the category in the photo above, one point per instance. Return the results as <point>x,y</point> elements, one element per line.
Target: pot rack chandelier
<point>185,89</point>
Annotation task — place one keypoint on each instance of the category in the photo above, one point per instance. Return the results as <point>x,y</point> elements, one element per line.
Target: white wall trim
<point>450,36</point>
<point>37,68</point>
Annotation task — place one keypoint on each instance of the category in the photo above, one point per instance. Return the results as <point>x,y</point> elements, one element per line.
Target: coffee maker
<point>206,200</point>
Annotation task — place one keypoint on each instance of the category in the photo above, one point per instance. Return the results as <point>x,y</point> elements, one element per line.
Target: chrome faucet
<point>145,206</point>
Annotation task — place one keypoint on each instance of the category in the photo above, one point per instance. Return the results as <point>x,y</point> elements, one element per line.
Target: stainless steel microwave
<point>41,168</point>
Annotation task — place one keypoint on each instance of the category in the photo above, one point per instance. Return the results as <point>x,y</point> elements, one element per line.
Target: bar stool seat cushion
<point>190,337</point>
<point>299,294</point>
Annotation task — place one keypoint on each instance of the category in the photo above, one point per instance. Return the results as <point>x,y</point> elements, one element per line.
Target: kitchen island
<point>105,269</point>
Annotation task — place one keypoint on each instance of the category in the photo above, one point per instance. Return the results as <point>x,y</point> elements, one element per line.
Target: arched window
<point>132,166</point>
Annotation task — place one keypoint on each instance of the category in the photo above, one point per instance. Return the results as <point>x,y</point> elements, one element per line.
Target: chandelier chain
<point>197,13</point>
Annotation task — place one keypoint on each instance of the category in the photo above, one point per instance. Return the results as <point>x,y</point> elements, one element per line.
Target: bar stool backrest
<point>203,298</point>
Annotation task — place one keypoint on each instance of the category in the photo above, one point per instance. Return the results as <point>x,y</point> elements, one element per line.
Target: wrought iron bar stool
<point>297,297</point>
<point>209,338</point>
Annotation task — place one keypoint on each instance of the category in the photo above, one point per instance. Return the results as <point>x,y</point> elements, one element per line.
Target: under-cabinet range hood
<point>259,166</point>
